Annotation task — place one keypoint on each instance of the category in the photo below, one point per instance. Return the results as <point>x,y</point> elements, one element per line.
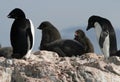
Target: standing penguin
<point>105,34</point>
<point>51,41</point>
<point>84,40</point>
<point>21,35</point>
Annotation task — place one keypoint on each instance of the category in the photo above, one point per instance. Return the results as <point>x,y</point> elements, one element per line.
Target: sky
<point>66,15</point>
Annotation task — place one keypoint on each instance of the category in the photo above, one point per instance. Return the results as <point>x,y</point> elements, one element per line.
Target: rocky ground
<point>44,66</point>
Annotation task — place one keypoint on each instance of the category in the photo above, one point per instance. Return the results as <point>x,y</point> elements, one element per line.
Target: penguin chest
<point>103,39</point>
<point>98,30</point>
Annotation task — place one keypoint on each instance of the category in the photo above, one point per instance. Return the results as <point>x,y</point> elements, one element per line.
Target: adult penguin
<point>105,34</point>
<point>51,41</point>
<point>81,37</point>
<point>21,34</point>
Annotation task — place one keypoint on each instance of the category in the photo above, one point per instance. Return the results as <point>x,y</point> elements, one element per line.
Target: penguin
<point>21,34</point>
<point>117,53</point>
<point>81,37</point>
<point>105,34</point>
<point>52,41</point>
<point>52,34</point>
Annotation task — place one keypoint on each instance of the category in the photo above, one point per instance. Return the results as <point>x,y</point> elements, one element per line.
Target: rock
<point>6,52</point>
<point>46,66</point>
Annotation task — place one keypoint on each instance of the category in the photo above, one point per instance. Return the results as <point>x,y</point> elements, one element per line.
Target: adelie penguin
<point>51,41</point>
<point>105,34</point>
<point>81,37</point>
<point>21,34</point>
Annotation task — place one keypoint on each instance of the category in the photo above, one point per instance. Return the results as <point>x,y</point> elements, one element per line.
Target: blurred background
<point>66,15</point>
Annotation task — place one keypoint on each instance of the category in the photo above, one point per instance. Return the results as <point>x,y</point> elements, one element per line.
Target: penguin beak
<point>8,16</point>
<point>39,28</point>
<point>88,27</point>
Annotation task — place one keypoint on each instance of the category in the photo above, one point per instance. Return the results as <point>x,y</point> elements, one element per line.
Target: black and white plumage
<point>51,41</point>
<point>105,34</point>
<point>21,34</point>
<point>81,37</point>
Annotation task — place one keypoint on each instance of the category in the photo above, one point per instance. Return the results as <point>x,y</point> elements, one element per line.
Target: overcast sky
<point>63,14</point>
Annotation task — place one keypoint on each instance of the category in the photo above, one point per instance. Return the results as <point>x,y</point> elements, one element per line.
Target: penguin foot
<point>27,56</point>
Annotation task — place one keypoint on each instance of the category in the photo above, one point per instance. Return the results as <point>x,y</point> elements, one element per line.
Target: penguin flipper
<point>103,35</point>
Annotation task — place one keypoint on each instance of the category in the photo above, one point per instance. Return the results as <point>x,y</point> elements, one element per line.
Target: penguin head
<point>91,21</point>
<point>79,33</point>
<point>16,14</point>
<point>44,25</point>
